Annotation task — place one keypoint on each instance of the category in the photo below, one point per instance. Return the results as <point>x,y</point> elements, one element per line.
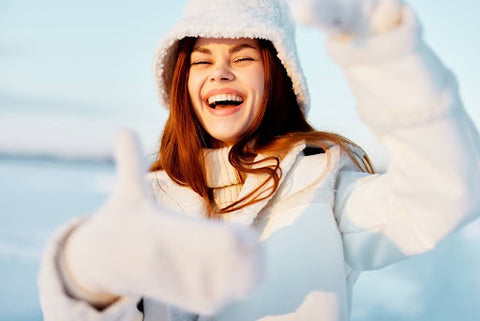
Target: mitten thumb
<point>130,166</point>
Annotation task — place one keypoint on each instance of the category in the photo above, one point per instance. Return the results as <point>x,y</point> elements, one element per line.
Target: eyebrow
<point>234,49</point>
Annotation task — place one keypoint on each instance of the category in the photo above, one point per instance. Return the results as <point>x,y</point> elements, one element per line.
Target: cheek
<point>257,79</point>
<point>258,82</point>
<point>193,87</point>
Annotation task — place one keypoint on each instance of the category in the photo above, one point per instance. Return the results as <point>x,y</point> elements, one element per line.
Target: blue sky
<point>94,58</point>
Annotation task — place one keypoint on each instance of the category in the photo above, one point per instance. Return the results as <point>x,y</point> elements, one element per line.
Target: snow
<point>36,196</point>
<point>68,136</point>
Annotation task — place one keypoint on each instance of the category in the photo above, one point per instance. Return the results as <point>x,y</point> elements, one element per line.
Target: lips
<point>224,98</point>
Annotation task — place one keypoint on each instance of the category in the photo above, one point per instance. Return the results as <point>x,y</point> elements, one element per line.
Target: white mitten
<point>349,17</point>
<point>131,246</point>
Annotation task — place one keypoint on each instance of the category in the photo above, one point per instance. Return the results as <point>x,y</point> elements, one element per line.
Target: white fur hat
<point>262,19</point>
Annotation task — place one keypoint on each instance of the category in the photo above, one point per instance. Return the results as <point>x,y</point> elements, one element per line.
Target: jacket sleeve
<point>58,305</point>
<point>430,188</point>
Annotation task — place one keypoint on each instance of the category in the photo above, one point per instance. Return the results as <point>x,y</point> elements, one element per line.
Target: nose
<point>221,72</point>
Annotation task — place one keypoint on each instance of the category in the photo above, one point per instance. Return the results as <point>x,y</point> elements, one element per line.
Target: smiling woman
<point>226,85</point>
<point>256,215</point>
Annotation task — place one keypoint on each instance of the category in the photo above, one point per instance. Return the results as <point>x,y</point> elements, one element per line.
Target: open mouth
<point>225,100</point>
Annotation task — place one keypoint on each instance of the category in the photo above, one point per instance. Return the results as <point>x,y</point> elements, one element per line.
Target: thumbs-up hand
<point>349,17</point>
<point>131,246</point>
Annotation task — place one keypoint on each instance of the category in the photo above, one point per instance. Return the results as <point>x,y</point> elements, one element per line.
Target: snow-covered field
<point>39,194</point>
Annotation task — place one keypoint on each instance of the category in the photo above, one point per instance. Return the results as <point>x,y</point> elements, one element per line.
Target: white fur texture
<point>263,19</point>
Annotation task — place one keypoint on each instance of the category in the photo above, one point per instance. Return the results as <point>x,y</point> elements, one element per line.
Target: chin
<point>225,134</point>
<point>226,140</point>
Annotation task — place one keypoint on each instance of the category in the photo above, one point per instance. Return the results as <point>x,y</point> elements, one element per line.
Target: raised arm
<point>410,101</point>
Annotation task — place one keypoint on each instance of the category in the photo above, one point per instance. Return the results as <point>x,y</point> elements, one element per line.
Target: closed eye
<point>200,62</point>
<point>242,59</point>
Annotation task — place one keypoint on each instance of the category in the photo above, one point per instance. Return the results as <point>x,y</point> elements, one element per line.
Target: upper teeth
<point>224,97</point>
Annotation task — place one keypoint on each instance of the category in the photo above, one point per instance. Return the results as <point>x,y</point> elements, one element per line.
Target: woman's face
<point>225,85</point>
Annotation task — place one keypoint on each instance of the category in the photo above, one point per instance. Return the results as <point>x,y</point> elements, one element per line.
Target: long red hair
<point>279,124</point>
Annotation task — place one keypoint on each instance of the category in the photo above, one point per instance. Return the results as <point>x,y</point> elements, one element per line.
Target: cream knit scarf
<point>221,176</point>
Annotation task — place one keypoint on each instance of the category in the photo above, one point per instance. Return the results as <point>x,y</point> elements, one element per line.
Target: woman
<point>294,214</point>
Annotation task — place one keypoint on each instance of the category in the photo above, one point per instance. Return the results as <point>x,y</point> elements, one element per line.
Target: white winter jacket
<point>327,221</point>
